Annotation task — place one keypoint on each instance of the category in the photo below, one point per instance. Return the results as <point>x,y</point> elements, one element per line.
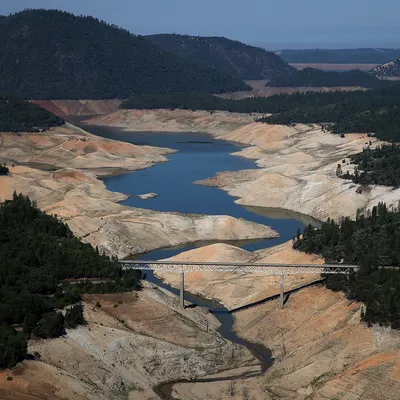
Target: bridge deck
<point>241,268</point>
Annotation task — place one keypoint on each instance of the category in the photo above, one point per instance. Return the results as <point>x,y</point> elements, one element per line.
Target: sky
<point>274,24</point>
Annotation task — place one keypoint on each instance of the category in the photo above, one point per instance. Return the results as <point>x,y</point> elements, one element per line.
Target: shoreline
<point>75,192</point>
<point>296,165</point>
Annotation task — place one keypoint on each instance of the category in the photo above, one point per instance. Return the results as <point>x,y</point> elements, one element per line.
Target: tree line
<point>371,240</point>
<point>38,253</point>
<point>22,116</point>
<point>361,111</point>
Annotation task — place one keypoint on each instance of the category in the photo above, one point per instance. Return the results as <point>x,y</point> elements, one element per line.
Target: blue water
<point>198,156</point>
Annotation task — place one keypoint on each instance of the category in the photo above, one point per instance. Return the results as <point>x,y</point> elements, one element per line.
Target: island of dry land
<point>132,343</point>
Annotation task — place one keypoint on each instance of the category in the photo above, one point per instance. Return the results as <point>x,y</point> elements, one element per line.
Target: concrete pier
<point>182,290</point>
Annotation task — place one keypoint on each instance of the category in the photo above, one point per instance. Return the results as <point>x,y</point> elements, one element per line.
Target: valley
<point>120,141</point>
<point>70,188</point>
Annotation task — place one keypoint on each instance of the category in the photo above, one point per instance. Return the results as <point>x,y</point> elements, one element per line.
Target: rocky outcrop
<point>147,196</point>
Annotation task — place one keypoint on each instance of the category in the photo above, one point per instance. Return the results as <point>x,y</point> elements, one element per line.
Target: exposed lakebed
<point>199,156</point>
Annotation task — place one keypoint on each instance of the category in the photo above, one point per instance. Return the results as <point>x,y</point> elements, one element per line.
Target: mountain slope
<point>390,69</point>
<point>22,116</point>
<point>236,58</point>
<point>49,54</point>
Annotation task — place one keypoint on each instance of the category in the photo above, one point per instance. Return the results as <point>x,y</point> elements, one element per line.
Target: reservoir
<point>199,156</point>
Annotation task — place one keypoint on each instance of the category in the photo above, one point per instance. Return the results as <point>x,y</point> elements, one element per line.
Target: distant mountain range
<point>339,56</point>
<point>311,77</point>
<point>49,54</point>
<point>236,58</point>
<point>388,70</point>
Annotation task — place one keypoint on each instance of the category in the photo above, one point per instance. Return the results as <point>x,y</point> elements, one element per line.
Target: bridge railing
<point>240,268</point>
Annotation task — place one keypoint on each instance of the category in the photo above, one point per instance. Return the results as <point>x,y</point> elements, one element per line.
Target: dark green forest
<point>371,111</point>
<point>311,77</point>
<point>236,58</point>
<point>50,54</point>
<point>22,116</point>
<point>38,254</point>
<point>371,241</point>
<point>380,166</point>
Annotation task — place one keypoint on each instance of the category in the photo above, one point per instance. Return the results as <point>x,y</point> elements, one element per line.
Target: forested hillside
<point>363,111</point>
<point>387,70</point>
<point>311,77</point>
<point>380,166</point>
<point>22,116</point>
<point>50,54</point>
<point>236,58</point>
<point>371,241</point>
<point>38,252</point>
<point>373,111</point>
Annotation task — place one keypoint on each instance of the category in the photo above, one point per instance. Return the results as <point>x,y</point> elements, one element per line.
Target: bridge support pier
<point>182,290</point>
<point>282,287</point>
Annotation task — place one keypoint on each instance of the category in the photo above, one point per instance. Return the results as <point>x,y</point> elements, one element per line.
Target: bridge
<point>238,268</point>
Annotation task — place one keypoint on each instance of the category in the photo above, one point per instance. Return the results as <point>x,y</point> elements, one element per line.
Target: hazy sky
<point>274,23</point>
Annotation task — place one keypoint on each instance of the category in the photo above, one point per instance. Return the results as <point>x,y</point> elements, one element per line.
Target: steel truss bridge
<point>238,268</point>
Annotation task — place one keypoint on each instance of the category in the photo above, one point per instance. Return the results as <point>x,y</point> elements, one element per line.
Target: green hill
<point>312,77</point>
<point>236,58</point>
<point>50,54</point>
<point>38,254</point>
<point>22,116</point>
<point>390,69</point>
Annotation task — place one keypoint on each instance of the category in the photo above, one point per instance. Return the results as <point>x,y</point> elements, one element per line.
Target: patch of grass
<point>9,378</point>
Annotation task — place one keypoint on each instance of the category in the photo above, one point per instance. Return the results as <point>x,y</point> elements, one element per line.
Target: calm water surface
<point>199,156</point>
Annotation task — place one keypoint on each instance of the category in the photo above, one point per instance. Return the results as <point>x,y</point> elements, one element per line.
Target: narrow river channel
<point>199,156</point>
